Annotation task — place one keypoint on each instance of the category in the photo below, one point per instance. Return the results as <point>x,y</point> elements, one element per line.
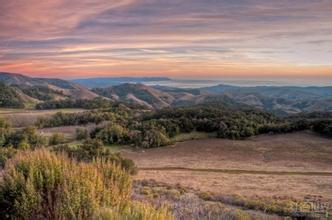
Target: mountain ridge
<point>44,89</point>
<point>282,100</point>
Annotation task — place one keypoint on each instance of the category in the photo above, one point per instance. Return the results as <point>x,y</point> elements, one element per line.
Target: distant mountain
<point>281,100</point>
<point>161,97</point>
<point>112,81</point>
<point>33,90</point>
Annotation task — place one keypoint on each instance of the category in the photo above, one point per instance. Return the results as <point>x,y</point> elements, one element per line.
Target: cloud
<point>49,19</point>
<point>150,36</point>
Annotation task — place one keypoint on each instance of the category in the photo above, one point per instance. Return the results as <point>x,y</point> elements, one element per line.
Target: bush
<point>155,138</point>
<point>56,138</point>
<point>92,149</point>
<point>80,118</point>
<point>112,134</point>
<point>81,134</point>
<point>5,154</point>
<point>42,185</point>
<point>25,138</point>
<point>4,131</point>
<point>95,103</point>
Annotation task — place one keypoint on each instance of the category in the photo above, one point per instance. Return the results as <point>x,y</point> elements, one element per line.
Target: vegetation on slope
<point>9,98</point>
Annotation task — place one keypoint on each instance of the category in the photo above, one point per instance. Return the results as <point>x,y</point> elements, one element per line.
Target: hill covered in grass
<point>34,90</point>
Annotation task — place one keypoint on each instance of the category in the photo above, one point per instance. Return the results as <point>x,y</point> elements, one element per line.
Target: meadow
<point>284,168</point>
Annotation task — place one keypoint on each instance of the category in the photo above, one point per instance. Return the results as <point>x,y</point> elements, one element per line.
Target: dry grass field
<point>25,117</point>
<point>283,166</point>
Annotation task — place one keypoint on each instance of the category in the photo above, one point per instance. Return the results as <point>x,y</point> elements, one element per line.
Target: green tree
<point>112,133</point>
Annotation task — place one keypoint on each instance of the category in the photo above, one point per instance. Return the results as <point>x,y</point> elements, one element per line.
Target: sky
<point>175,38</point>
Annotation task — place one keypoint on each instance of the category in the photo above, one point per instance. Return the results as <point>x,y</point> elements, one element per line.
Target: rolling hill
<point>137,94</point>
<point>33,90</point>
<point>279,100</point>
<point>161,97</point>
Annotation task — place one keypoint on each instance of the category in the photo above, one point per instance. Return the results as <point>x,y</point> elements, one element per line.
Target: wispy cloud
<point>178,37</point>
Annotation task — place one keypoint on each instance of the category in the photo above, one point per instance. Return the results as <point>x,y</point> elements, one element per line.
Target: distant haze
<point>194,82</point>
<point>236,81</point>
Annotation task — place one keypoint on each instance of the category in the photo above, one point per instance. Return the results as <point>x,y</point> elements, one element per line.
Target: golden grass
<point>287,165</point>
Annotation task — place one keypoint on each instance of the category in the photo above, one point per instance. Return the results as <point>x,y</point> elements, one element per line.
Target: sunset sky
<point>84,38</point>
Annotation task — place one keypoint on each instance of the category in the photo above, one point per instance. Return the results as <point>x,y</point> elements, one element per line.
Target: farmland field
<point>296,165</point>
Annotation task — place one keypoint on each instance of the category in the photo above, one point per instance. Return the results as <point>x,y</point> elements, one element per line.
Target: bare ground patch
<point>287,165</point>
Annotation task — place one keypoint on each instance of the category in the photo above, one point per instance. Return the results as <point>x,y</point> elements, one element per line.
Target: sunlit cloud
<point>73,38</point>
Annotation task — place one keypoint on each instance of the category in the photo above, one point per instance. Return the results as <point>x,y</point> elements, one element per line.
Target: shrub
<point>25,138</point>
<point>42,185</point>
<point>89,150</point>
<point>111,134</point>
<point>92,149</point>
<point>79,118</point>
<point>56,138</point>
<point>155,138</point>
<point>81,133</point>
<point>4,131</point>
<point>5,154</point>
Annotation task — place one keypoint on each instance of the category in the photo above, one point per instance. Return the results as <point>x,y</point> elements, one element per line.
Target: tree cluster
<point>25,138</point>
<point>95,103</point>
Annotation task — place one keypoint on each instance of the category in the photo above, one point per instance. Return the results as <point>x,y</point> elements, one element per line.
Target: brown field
<point>24,117</point>
<point>271,166</point>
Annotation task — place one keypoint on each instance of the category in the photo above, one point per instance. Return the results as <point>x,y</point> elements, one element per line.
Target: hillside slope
<point>33,90</point>
<point>138,94</point>
<point>281,100</point>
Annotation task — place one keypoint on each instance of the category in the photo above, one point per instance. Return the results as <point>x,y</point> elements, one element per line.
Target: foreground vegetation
<point>43,185</point>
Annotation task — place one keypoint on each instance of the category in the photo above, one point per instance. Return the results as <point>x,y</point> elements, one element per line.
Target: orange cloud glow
<point>81,38</point>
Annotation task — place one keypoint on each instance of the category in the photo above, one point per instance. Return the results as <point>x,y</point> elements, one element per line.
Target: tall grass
<point>134,211</point>
<point>42,185</point>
